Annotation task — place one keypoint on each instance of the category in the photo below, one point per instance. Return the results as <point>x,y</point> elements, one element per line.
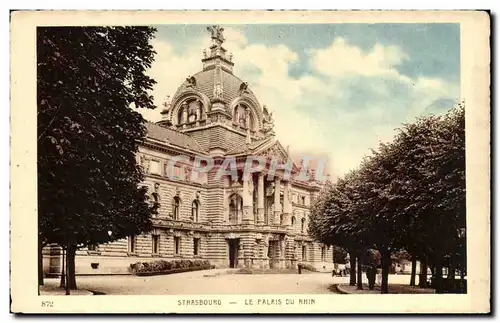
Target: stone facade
<point>257,220</point>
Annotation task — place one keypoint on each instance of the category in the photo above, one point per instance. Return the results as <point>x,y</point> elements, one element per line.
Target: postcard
<point>250,162</point>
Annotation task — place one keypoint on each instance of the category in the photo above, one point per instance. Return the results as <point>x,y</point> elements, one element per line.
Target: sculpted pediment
<point>276,151</point>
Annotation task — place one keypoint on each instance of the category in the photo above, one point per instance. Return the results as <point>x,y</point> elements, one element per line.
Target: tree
<point>409,195</point>
<point>89,81</point>
<point>339,255</point>
<point>433,181</point>
<point>334,221</point>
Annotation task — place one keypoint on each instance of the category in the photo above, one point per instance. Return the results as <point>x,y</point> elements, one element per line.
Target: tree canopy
<point>409,194</point>
<point>90,82</point>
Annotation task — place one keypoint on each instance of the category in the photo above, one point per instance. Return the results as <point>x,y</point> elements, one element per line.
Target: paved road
<point>215,281</point>
<point>209,282</point>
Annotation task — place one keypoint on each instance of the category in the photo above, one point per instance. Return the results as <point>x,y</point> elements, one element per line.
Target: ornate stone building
<point>256,220</point>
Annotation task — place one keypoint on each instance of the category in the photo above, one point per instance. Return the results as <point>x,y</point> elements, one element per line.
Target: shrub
<point>307,266</point>
<point>165,266</point>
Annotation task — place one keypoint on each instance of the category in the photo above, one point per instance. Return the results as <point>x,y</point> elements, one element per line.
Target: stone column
<point>282,246</point>
<point>184,117</point>
<point>247,199</point>
<point>277,203</point>
<point>260,199</point>
<point>225,204</point>
<point>287,207</point>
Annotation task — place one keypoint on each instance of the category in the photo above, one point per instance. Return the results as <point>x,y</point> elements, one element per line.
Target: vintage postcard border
<point>475,62</point>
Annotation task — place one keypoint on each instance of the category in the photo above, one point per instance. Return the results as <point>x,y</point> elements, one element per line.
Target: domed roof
<point>205,83</point>
<point>216,96</point>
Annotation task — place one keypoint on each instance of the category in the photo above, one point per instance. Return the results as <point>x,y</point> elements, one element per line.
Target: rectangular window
<point>154,167</point>
<point>156,243</point>
<point>196,246</point>
<point>304,253</point>
<point>131,244</point>
<point>323,253</point>
<point>177,245</point>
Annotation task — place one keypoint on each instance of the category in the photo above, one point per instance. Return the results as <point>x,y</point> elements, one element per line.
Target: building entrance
<point>273,253</point>
<point>234,245</point>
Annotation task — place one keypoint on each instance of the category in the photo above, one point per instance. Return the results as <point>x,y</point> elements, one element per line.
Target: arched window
<point>235,208</point>
<point>194,110</point>
<point>303,225</point>
<point>175,207</point>
<point>191,116</point>
<point>180,114</point>
<point>293,221</point>
<point>190,111</point>
<point>281,219</point>
<point>195,207</point>
<point>242,117</point>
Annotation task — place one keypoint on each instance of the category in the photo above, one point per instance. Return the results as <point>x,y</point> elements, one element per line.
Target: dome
<point>205,84</point>
<point>216,96</point>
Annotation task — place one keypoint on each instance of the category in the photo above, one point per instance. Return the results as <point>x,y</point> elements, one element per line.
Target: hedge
<point>307,267</point>
<point>163,267</point>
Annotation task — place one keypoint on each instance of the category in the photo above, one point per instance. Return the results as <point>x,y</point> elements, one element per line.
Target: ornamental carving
<point>243,88</point>
<point>218,90</point>
<point>191,81</point>
<point>145,163</point>
<point>250,185</point>
<point>268,122</point>
<point>274,151</point>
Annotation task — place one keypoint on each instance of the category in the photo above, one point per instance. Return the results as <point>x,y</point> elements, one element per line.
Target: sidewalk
<point>51,287</point>
<point>393,289</point>
<point>129,284</point>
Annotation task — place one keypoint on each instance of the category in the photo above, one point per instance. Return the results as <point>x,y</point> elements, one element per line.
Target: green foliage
<point>165,266</point>
<point>339,255</point>
<point>89,82</point>
<point>408,195</point>
<point>307,266</point>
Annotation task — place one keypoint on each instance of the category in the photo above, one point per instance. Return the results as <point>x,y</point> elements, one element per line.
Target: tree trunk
<point>40,263</point>
<point>70,268</point>
<point>451,271</point>
<point>62,284</point>
<point>386,264</point>
<point>359,274</point>
<point>422,278</point>
<point>68,278</point>
<point>413,270</point>
<point>352,271</point>
<point>438,279</point>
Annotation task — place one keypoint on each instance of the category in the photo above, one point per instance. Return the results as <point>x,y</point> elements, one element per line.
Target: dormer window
<point>242,122</point>
<point>242,117</point>
<point>190,111</point>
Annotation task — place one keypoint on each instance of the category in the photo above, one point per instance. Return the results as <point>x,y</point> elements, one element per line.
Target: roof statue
<point>243,88</point>
<point>268,127</point>
<point>217,34</point>
<point>191,81</point>
<point>166,106</point>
